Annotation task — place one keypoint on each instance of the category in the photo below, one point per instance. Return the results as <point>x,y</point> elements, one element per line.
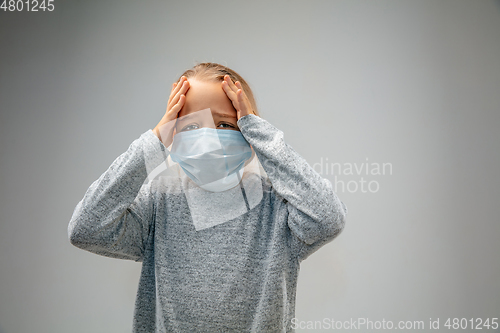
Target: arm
<point>114,217</point>
<point>315,213</point>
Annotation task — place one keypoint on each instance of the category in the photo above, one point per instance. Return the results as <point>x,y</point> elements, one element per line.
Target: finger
<point>184,88</point>
<point>176,87</point>
<point>244,109</point>
<point>177,107</point>
<point>238,86</point>
<point>245,97</point>
<point>179,84</point>
<point>230,83</point>
<point>243,101</point>
<point>231,95</point>
<point>229,92</point>
<point>227,89</point>
<point>172,92</point>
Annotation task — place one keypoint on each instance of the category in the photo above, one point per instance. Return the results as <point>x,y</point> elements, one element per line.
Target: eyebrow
<point>222,115</point>
<point>214,113</point>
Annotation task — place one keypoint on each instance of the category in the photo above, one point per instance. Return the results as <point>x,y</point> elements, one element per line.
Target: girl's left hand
<point>235,93</point>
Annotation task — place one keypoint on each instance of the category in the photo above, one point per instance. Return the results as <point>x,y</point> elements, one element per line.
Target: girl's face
<point>202,95</point>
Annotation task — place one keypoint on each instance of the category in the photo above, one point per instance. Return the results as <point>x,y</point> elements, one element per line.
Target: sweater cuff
<point>247,120</point>
<point>155,152</point>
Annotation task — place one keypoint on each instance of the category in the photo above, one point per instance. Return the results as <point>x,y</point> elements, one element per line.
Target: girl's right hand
<point>165,128</point>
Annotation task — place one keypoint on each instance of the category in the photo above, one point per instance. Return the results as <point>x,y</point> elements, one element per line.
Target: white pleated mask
<point>212,158</point>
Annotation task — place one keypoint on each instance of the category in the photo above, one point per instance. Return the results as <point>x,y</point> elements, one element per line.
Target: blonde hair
<point>210,71</point>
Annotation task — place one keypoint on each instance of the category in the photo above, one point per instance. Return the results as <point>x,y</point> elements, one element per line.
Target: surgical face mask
<point>213,159</point>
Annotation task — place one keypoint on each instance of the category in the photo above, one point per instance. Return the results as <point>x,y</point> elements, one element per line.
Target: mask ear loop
<point>243,191</point>
<point>241,183</point>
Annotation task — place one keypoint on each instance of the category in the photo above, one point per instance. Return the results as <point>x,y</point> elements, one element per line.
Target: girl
<point>216,206</point>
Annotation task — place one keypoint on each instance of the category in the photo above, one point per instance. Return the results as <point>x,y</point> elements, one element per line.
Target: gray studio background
<point>412,83</point>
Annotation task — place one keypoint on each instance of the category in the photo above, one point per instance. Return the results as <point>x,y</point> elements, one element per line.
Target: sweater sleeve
<point>315,213</point>
<point>114,217</point>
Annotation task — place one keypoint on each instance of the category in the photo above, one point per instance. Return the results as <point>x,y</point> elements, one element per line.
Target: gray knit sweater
<point>236,276</point>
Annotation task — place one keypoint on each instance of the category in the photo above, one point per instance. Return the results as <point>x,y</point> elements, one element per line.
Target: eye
<point>190,127</point>
<point>226,126</point>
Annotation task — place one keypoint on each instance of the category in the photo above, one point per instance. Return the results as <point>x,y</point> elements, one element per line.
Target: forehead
<point>207,94</point>
<point>206,116</point>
